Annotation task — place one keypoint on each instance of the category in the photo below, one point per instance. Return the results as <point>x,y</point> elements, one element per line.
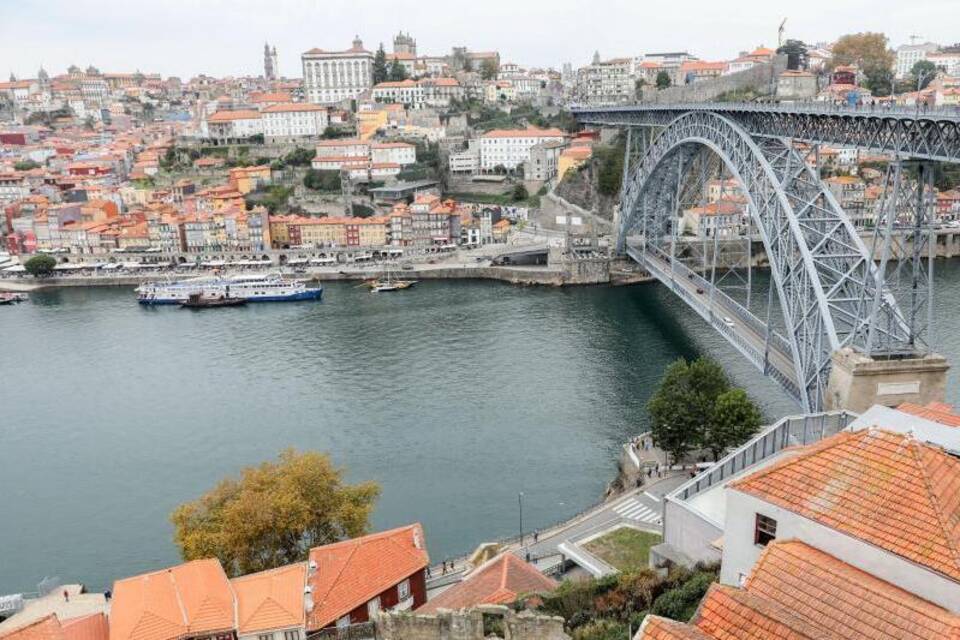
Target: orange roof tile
<point>657,628</point>
<point>887,489</point>
<point>91,627</point>
<point>291,107</point>
<point>936,411</point>
<point>191,598</point>
<point>271,599</point>
<point>834,595</point>
<point>352,572</point>
<point>47,628</point>
<point>229,116</point>
<point>727,613</point>
<point>524,133</point>
<point>497,581</point>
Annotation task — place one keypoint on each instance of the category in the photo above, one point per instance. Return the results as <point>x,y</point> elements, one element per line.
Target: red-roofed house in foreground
<point>500,580</point>
<point>351,580</point>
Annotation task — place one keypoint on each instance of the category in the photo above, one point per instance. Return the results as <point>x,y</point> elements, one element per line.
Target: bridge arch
<point>821,270</point>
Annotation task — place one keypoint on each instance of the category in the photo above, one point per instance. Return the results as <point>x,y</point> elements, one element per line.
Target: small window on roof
<point>765,530</point>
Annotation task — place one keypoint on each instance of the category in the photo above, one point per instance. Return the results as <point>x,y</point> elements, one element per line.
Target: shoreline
<point>573,274</point>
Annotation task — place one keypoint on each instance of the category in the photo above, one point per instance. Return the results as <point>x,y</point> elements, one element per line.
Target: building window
<point>291,635</point>
<point>265,636</point>
<point>373,606</point>
<point>403,589</point>
<point>765,530</point>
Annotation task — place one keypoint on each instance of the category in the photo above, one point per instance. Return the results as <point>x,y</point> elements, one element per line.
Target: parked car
<point>727,321</point>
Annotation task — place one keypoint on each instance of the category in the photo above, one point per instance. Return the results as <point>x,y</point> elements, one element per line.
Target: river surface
<point>454,396</point>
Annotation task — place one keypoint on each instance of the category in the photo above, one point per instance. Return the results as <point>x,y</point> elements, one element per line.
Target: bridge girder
<point>820,268</point>
<point>912,133</point>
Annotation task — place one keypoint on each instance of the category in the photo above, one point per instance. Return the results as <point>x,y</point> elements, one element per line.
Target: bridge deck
<point>925,134</point>
<point>745,332</point>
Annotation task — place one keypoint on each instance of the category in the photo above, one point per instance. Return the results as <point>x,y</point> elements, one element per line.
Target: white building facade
<point>295,120</point>
<point>509,148</point>
<point>330,77</point>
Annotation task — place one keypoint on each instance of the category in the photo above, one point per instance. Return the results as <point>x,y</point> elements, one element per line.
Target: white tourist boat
<point>252,288</point>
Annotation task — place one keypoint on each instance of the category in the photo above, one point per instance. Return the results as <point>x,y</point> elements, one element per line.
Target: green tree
<point>322,180</point>
<point>682,406</point>
<point>796,52</point>
<point>40,266</point>
<point>380,72</point>
<point>25,165</point>
<point>922,74</point>
<point>398,72</point>
<point>300,157</point>
<point>638,88</point>
<point>610,168</point>
<point>870,53</point>
<point>520,193</point>
<point>273,513</point>
<point>735,420</point>
<point>489,69</point>
<point>663,80</point>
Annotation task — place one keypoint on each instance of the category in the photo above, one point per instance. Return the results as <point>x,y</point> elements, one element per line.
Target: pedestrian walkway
<point>633,509</point>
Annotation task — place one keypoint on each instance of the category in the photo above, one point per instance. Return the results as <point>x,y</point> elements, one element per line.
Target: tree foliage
<point>398,72</point>
<point>520,193</point>
<point>322,180</point>
<point>380,71</point>
<point>922,73</point>
<point>25,165</point>
<point>40,266</point>
<point>609,162</point>
<point>489,69</point>
<point>734,420</point>
<point>273,513</point>
<point>796,52</point>
<point>870,53</point>
<point>663,80</point>
<point>694,407</point>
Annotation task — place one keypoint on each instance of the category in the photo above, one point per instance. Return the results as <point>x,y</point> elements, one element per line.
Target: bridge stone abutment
<point>858,382</point>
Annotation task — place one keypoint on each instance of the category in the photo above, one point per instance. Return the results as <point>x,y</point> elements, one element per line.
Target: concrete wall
<point>762,78</point>
<point>740,554</point>
<point>689,533</point>
<point>468,625</point>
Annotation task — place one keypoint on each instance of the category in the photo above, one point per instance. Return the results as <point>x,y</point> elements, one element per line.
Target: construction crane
<point>780,33</point>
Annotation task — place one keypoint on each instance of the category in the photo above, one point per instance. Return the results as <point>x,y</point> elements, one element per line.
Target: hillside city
<point>838,522</point>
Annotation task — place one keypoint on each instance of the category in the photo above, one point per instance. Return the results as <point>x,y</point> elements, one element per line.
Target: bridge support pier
<point>858,382</point>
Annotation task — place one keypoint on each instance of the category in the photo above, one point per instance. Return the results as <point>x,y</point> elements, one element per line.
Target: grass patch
<point>626,548</point>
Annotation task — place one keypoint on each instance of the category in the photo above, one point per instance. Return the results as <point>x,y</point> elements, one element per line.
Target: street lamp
<point>520,502</point>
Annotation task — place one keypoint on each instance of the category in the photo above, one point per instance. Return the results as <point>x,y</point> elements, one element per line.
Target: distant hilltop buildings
<point>271,68</point>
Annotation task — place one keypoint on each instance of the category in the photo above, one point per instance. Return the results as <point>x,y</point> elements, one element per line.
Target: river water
<point>455,396</point>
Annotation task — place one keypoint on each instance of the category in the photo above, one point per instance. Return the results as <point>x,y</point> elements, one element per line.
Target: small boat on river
<point>202,301</point>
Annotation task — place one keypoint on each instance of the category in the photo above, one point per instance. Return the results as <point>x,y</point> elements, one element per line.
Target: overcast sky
<point>225,37</point>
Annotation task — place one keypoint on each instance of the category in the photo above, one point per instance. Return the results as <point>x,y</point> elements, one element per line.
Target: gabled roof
<point>191,598</point>
<point>727,612</point>
<point>88,627</point>
<point>229,116</point>
<point>350,573</point>
<point>657,628</point>
<point>835,595</point>
<point>271,599</point>
<point>887,489</point>
<point>497,581</point>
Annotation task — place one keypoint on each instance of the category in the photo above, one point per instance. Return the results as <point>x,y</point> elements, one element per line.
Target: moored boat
<point>200,301</point>
<point>249,288</point>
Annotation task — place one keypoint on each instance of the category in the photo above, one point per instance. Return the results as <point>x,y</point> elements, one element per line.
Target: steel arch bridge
<point>830,290</point>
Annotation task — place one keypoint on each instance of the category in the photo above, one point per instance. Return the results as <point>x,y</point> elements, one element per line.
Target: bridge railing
<point>813,107</point>
<point>787,432</point>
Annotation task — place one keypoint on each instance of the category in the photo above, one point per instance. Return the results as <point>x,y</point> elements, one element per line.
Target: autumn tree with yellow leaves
<point>274,513</point>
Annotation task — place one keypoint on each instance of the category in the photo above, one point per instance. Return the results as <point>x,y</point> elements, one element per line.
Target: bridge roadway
<point>748,333</point>
<point>923,134</point>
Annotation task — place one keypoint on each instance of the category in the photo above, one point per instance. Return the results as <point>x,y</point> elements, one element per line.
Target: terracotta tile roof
<point>292,107</point>
<point>835,595</point>
<point>936,411</point>
<point>191,598</point>
<point>271,599</point>
<point>657,628</point>
<point>497,581</point>
<point>887,489</point>
<point>727,613</point>
<point>523,133</point>
<point>47,628</point>
<point>350,573</point>
<point>229,116</point>
<point>91,627</point>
